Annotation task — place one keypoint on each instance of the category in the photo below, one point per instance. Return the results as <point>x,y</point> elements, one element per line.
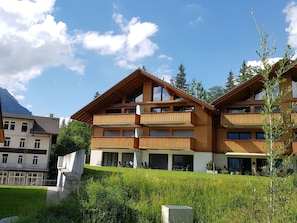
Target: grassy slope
<point>21,201</point>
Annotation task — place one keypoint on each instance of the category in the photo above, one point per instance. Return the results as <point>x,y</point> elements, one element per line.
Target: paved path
<point>52,195</point>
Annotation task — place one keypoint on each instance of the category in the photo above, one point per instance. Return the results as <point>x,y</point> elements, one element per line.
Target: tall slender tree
<point>180,80</point>
<point>230,84</point>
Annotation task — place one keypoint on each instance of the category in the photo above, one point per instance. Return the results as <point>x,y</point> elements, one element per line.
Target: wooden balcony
<point>245,146</point>
<point>116,120</point>
<point>244,120</point>
<point>167,143</point>
<point>169,119</point>
<point>114,142</point>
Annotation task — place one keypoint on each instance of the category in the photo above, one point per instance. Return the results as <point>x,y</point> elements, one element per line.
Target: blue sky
<point>56,54</point>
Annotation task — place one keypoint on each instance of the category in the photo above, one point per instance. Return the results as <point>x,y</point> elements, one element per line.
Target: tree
<point>197,90</point>
<point>74,136</point>
<point>214,93</point>
<point>180,80</point>
<point>275,127</point>
<point>246,72</point>
<point>230,81</point>
<point>96,95</point>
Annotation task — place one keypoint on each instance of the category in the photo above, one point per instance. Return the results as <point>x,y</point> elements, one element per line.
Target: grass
<point>21,201</point>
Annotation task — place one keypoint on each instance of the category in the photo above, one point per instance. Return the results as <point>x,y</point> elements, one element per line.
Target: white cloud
<point>164,73</point>
<point>31,41</point>
<point>291,18</point>
<point>163,56</point>
<point>128,47</point>
<point>195,21</point>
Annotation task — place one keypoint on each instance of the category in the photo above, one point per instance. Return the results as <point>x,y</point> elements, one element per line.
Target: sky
<point>56,54</point>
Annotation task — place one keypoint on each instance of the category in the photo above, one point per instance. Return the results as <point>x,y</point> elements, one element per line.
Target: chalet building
<point>240,142</point>
<point>25,152</point>
<point>144,121</point>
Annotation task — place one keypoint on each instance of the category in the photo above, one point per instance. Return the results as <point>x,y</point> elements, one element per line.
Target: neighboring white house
<point>25,153</point>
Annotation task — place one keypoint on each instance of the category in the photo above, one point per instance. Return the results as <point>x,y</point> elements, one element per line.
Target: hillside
<point>10,104</point>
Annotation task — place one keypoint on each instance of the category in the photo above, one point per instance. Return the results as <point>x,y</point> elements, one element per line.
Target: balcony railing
<point>245,146</point>
<point>167,143</point>
<point>116,120</point>
<point>169,119</point>
<point>115,142</point>
<point>244,119</point>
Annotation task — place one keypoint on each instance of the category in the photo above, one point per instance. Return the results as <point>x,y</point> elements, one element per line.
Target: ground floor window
<point>110,159</point>
<point>240,165</point>
<point>158,161</point>
<point>127,160</point>
<point>182,162</point>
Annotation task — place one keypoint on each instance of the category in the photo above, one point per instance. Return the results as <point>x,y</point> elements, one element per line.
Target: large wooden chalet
<point>144,121</point>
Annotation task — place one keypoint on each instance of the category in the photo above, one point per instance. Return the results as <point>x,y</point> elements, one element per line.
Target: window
<point>12,125</point>
<point>24,127</point>
<point>238,110</point>
<point>22,142</point>
<point>111,133</point>
<point>20,160</point>
<point>159,133</point>
<point>6,124</point>
<point>157,110</point>
<point>37,144</point>
<point>260,135</point>
<point>294,87</point>
<point>7,141</point>
<point>4,158</point>
<point>35,160</point>
<point>113,111</point>
<point>239,135</point>
<point>160,94</point>
<point>183,108</point>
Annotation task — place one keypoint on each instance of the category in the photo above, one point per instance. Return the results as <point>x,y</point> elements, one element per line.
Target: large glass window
<point>241,165</point>
<point>239,135</point>
<point>111,133</point>
<point>238,110</point>
<point>159,133</point>
<point>160,94</point>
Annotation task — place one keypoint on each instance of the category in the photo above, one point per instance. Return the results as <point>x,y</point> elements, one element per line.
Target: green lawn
<point>21,201</point>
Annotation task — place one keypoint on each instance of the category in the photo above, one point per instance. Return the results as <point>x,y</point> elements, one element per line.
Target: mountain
<point>10,105</point>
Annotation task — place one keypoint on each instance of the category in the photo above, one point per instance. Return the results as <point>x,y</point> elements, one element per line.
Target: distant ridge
<point>10,105</point>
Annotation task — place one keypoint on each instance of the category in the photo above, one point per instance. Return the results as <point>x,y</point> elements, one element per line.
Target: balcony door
<point>110,159</point>
<point>158,161</point>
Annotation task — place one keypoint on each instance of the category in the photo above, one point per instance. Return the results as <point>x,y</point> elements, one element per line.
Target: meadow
<point>125,195</point>
<point>21,201</point>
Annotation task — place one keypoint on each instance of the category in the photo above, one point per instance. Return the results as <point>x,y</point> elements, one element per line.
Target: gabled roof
<point>244,89</point>
<point>42,125</point>
<point>128,84</point>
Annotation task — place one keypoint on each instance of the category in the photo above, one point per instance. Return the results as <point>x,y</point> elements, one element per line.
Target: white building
<point>25,153</point>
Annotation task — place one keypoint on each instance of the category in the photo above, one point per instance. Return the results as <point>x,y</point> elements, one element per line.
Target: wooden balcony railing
<point>169,119</point>
<point>116,120</point>
<point>114,142</point>
<point>167,143</point>
<point>244,119</point>
<point>245,146</point>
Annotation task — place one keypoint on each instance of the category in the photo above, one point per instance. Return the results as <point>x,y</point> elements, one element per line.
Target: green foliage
<point>230,84</point>
<point>180,79</point>
<point>73,136</point>
<point>123,195</point>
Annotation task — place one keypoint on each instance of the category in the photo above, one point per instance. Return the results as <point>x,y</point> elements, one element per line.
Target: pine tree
<point>180,80</point>
<point>230,81</point>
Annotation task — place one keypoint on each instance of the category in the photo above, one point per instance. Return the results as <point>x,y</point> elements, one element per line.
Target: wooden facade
<point>144,118</point>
